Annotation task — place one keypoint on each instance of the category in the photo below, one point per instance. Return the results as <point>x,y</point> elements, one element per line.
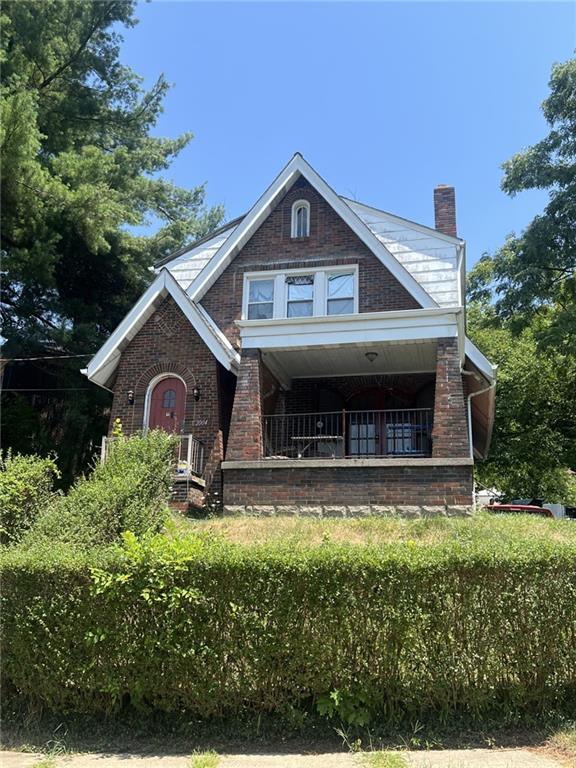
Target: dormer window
<point>301,219</point>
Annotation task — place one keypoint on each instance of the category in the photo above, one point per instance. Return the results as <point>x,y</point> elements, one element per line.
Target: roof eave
<point>102,366</point>
<point>191,246</point>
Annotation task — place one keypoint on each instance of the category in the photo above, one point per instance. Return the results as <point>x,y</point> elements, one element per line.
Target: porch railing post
<point>189,459</point>
<point>344,433</point>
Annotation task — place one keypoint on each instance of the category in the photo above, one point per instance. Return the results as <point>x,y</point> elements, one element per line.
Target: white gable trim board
<point>435,260</point>
<point>102,366</point>
<point>299,167</point>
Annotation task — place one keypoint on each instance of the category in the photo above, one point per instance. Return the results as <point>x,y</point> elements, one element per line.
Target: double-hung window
<point>299,295</point>
<point>260,299</point>
<point>340,294</point>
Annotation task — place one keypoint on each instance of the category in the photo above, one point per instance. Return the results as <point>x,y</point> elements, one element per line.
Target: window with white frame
<point>340,293</point>
<point>301,293</point>
<point>260,299</point>
<point>301,218</point>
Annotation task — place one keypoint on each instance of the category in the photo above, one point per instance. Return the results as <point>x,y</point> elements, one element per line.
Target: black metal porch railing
<point>348,434</point>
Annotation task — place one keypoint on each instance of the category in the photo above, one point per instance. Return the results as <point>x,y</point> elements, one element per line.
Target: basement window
<point>301,219</point>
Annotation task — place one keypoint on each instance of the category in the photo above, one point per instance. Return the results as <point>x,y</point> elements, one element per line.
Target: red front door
<point>167,405</point>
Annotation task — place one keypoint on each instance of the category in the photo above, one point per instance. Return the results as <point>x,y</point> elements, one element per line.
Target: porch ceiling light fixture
<point>371,356</point>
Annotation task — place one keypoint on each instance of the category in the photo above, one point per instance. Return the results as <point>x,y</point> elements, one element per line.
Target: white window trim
<point>147,402</point>
<point>332,273</point>
<point>315,292</point>
<point>294,227</point>
<point>247,303</point>
<point>280,306</point>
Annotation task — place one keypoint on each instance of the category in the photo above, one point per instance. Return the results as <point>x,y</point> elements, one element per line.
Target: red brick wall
<point>450,433</point>
<point>168,344</point>
<point>245,440</point>
<point>399,485</point>
<point>331,242</point>
<point>445,209</point>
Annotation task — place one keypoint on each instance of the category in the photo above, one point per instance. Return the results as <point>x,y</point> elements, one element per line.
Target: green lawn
<point>303,532</point>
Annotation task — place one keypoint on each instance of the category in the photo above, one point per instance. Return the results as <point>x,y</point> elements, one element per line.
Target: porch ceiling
<point>350,359</point>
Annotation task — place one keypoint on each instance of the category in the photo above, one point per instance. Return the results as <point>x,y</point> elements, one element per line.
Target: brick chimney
<point>445,209</point>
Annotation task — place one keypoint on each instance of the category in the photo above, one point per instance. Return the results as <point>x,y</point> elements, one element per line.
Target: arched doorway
<point>167,404</point>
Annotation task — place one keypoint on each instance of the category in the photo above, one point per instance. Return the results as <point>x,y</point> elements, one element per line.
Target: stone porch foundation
<point>342,511</point>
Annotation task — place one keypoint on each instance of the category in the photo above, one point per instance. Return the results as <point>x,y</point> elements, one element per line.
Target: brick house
<point>312,352</point>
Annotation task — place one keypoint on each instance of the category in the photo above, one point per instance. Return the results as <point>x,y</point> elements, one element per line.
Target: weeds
<point>208,759</point>
<point>384,760</point>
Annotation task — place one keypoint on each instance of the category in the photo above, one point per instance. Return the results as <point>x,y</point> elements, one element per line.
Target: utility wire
<point>45,389</point>
<point>49,357</point>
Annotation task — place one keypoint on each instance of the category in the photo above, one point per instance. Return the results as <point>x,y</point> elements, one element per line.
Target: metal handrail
<point>188,458</point>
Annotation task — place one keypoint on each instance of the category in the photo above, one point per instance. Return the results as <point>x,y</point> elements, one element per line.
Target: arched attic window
<point>301,218</point>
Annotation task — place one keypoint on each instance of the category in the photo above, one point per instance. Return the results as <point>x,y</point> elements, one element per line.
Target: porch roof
<point>351,359</point>
<point>365,343</point>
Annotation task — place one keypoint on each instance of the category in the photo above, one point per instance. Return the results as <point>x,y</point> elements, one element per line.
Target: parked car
<point>525,509</point>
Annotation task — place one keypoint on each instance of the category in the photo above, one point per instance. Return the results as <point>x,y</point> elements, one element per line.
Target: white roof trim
<point>258,213</point>
<point>480,361</point>
<point>102,365</point>
<point>340,330</point>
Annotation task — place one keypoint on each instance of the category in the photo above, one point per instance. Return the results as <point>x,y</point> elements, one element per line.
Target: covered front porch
<point>367,410</point>
<point>361,416</point>
<point>365,399</point>
<point>365,424</point>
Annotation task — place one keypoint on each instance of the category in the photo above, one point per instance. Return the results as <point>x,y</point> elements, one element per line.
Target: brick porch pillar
<point>245,437</point>
<point>450,432</point>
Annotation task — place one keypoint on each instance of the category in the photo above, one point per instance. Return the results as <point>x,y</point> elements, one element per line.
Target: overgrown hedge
<point>129,491</point>
<point>212,628</point>
<point>26,490</point>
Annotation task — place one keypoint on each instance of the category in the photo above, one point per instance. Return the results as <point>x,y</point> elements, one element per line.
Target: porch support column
<point>450,432</point>
<point>245,436</point>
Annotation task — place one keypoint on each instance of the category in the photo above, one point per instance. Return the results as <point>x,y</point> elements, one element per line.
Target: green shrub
<point>26,489</point>
<point>129,491</point>
<point>389,632</point>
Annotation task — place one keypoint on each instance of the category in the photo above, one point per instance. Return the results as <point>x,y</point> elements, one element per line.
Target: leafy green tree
<point>534,273</point>
<point>81,177</point>
<point>523,315</point>
<point>534,440</point>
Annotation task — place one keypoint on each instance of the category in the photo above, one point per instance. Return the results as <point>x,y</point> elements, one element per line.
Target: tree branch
<point>79,51</point>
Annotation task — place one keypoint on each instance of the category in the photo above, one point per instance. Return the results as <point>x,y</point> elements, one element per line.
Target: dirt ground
<point>457,758</point>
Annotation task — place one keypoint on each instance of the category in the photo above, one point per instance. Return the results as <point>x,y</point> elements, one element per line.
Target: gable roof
<point>434,259</point>
<point>297,167</point>
<point>103,365</point>
<point>185,249</point>
<point>187,263</point>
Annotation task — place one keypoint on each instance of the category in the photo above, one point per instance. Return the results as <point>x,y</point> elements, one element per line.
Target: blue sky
<point>385,100</point>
